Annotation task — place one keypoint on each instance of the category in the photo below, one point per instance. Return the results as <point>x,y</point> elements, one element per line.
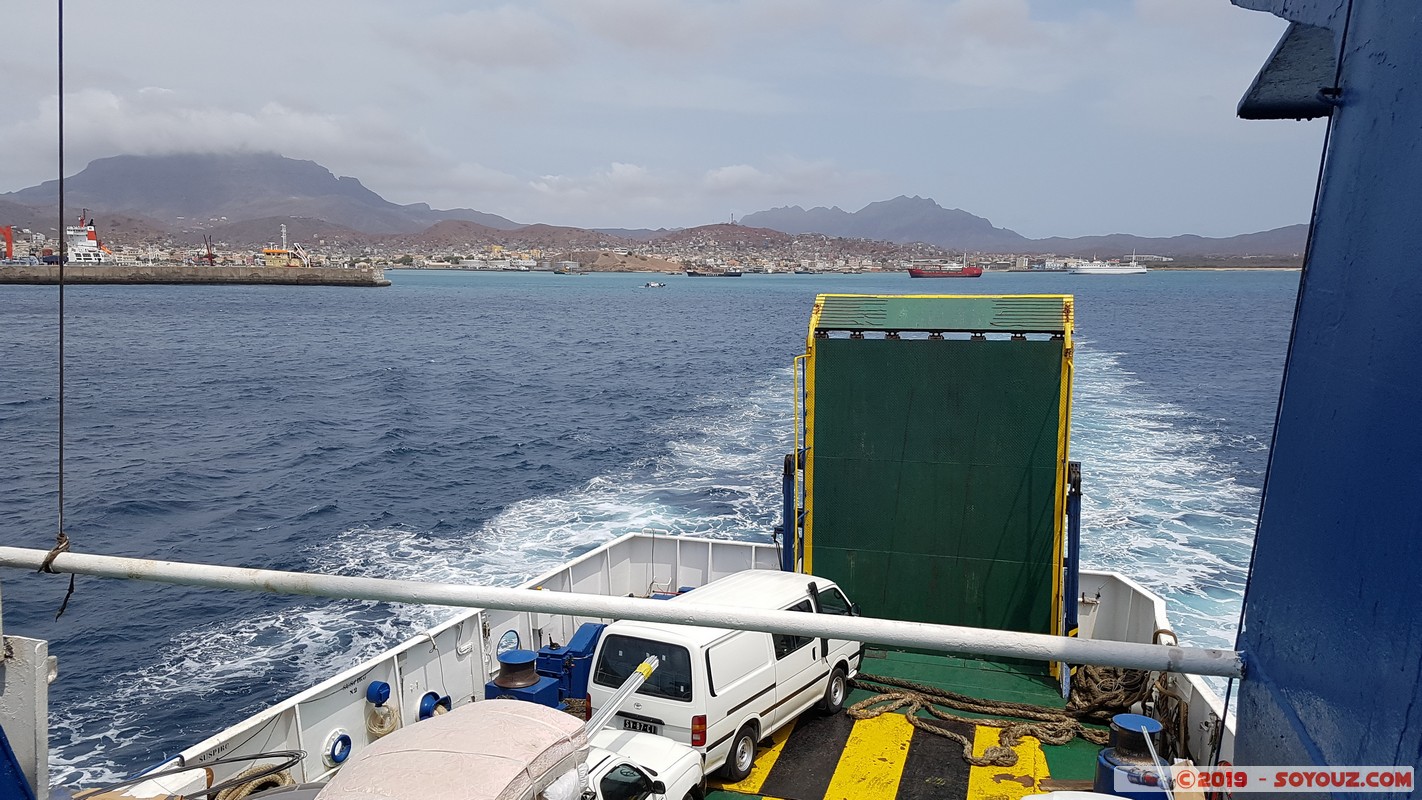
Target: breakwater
<point>179,274</point>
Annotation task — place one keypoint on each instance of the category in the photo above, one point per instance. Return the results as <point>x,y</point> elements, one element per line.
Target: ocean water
<point>484,427</point>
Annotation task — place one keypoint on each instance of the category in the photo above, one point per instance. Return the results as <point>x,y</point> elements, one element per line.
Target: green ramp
<point>935,434</point>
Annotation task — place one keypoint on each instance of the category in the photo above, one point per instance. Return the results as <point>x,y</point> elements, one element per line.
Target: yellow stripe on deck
<point>764,761</point>
<point>1006,783</point>
<point>873,760</point>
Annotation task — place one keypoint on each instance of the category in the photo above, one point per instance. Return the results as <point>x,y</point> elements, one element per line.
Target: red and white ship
<point>82,245</point>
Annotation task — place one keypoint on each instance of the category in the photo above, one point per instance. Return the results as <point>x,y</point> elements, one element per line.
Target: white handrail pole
<point>634,682</point>
<point>896,633</point>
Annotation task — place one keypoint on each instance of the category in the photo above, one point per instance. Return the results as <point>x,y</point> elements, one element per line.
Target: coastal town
<point>717,249</point>
<point>251,212</point>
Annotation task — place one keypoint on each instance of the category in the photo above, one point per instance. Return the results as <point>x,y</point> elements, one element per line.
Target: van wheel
<point>742,756</point>
<point>835,692</point>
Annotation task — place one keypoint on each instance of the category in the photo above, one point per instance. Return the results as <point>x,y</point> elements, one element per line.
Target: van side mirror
<point>659,787</point>
<point>853,609</point>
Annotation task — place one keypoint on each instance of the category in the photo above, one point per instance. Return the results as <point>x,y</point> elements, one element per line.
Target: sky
<point>1049,117</point>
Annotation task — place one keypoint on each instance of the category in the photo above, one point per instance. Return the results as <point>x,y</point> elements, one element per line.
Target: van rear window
<point>621,654</point>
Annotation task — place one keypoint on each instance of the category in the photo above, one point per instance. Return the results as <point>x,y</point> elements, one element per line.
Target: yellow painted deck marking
<point>1006,783</point>
<point>764,761</point>
<point>873,761</point>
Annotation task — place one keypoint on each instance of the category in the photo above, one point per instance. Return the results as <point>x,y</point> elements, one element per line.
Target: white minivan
<point>722,691</point>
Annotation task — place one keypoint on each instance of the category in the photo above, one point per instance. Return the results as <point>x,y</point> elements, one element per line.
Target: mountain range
<point>919,219</point>
<point>177,190</point>
<point>243,198</point>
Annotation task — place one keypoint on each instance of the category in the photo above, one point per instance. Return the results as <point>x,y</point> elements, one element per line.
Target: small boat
<point>654,285</point>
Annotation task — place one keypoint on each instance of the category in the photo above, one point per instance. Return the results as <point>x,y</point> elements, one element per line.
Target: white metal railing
<point>951,638</point>
<point>634,681</point>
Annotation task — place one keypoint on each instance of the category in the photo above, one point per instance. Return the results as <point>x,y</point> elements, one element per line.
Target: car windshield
<point>621,654</point>
<point>625,783</point>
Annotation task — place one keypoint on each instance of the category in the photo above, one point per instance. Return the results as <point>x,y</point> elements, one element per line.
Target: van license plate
<point>640,727</point>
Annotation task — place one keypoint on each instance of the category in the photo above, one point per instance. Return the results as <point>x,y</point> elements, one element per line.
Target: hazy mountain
<point>23,216</point>
<point>557,236</point>
<point>724,234</point>
<point>1286,241</point>
<point>456,232</point>
<point>245,198</point>
<point>901,220</point>
<point>267,230</point>
<point>129,228</point>
<point>191,189</point>
<point>637,234</point>
<point>916,219</point>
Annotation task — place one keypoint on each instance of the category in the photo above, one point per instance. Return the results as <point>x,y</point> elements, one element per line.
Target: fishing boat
<point>1326,665</point>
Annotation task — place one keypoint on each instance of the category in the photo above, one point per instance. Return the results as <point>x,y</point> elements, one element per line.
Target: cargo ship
<point>944,269</point>
<point>82,245</point>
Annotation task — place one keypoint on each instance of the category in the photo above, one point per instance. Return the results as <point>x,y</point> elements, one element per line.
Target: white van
<point>722,691</point>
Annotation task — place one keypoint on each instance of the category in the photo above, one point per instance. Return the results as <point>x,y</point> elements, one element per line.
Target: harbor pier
<point>48,274</point>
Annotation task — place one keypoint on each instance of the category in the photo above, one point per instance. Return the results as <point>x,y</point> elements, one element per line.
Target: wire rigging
<point>61,539</point>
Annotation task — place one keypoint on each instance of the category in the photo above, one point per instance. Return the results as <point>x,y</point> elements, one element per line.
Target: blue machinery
<point>790,530</point>
<point>1071,582</point>
<point>551,676</point>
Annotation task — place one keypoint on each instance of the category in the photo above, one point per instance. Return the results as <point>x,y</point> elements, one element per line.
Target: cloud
<point>621,184</point>
<point>785,178</point>
<point>152,121</point>
<point>501,38</point>
<point>147,122</point>
<point>611,196</point>
<point>662,26</point>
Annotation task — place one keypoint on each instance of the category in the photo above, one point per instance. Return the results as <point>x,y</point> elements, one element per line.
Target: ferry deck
<point>885,757</point>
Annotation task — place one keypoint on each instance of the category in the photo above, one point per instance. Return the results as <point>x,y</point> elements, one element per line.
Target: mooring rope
<point>1097,694</point>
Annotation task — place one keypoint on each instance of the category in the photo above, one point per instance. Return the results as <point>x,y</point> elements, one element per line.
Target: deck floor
<point>837,758</point>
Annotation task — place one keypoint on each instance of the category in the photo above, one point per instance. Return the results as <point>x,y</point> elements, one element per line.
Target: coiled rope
<point>1097,694</point>
<point>256,778</point>
<point>381,721</point>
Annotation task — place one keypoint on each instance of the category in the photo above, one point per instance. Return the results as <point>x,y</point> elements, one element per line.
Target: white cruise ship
<point>1131,267</point>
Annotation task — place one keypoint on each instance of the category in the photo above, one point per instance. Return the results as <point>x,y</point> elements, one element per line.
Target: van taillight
<point>587,708</point>
<point>698,730</point>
